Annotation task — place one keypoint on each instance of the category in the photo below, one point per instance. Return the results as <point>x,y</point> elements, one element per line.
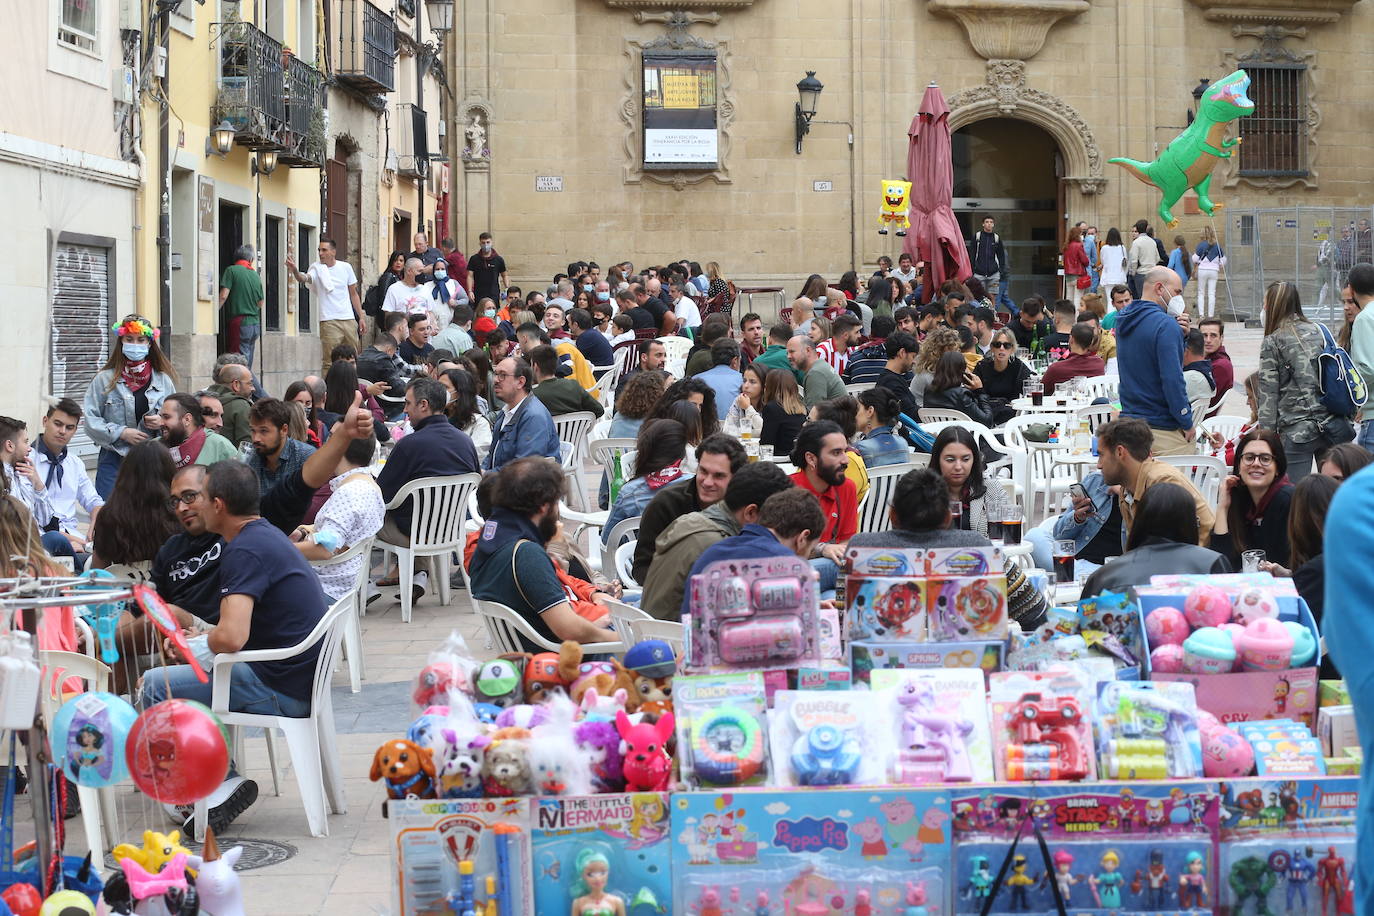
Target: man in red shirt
<point>1082,360</point>
<point>821,456</point>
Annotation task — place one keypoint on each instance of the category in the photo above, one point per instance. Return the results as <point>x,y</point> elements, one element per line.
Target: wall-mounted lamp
<point>440,15</point>
<point>265,162</point>
<point>809,91</point>
<point>1198,92</point>
<point>220,140</point>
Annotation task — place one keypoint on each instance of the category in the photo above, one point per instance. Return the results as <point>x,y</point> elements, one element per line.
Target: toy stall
<point>67,732</point>
<point>907,752</point>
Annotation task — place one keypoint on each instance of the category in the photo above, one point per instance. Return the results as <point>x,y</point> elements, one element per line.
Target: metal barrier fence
<point>1314,247</point>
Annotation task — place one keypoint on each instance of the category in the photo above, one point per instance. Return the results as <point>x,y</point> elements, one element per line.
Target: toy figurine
<point>217,883</point>
<point>601,743</point>
<point>407,768</point>
<point>1251,877</point>
<point>459,764</point>
<point>863,905</point>
<point>1192,884</point>
<point>709,903</point>
<point>590,897</point>
<point>932,744</point>
<point>1331,878</point>
<point>647,765</point>
<point>580,676</point>
<point>157,850</point>
<point>1106,884</point>
<point>506,765</point>
<point>542,676</point>
<point>896,207</point>
<point>1154,879</point>
<point>980,881</point>
<point>762,905</point>
<point>1299,873</point>
<point>500,681</point>
<point>1063,874</point>
<point>825,755</point>
<point>1046,738</point>
<point>916,899</point>
<point>1020,884</point>
<point>651,665</point>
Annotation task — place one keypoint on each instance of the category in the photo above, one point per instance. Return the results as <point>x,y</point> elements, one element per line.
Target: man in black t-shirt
<point>488,271</point>
<point>186,570</point>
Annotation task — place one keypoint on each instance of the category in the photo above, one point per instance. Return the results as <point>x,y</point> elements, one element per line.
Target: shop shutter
<point>80,323</point>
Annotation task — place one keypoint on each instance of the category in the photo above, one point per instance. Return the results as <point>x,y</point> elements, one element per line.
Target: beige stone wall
<point>556,74</point>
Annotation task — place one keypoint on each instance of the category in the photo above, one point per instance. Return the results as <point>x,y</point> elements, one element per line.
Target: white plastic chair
<point>99,809</point>
<point>626,527</point>
<point>1227,425</point>
<point>624,564</point>
<point>1102,386</point>
<point>436,530</point>
<point>353,635</point>
<point>603,451</point>
<point>1035,472</point>
<point>1203,471</point>
<point>675,348</point>
<point>670,631</point>
<point>505,628</point>
<point>573,428</point>
<point>626,619</point>
<point>855,387</point>
<point>873,515</point>
<point>601,429</point>
<point>942,415</point>
<point>310,740</point>
<point>1097,414</point>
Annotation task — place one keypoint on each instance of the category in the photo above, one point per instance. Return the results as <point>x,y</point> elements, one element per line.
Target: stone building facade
<point>1042,93</point>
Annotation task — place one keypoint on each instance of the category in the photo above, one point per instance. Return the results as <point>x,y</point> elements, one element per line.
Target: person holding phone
<point>1093,522</point>
<point>954,387</point>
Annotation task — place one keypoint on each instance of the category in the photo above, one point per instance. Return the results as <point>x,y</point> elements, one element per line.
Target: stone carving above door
<point>1008,29</point>
<point>1302,12</point>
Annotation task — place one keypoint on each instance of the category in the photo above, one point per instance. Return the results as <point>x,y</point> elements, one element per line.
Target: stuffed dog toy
<point>407,768</point>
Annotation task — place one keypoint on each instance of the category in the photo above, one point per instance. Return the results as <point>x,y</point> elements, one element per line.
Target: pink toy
<point>759,614</point>
<point>143,885</point>
<point>1254,603</point>
<point>1167,659</point>
<point>1225,754</point>
<point>1266,645</point>
<point>1205,721</point>
<point>1207,606</point>
<point>1166,625</point>
<point>1236,630</point>
<point>1209,651</point>
<point>646,761</point>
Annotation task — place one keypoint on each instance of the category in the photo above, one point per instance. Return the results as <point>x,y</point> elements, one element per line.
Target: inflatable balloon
<point>896,207</point>
<point>1188,160</point>
<point>178,752</point>
<point>88,735</point>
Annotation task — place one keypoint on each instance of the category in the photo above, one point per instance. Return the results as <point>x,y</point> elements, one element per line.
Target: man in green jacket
<point>820,381</point>
<point>559,395</point>
<point>682,542</point>
<point>775,356</point>
<point>233,386</point>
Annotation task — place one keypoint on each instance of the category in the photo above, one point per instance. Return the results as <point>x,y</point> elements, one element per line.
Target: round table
<point>1050,405</point>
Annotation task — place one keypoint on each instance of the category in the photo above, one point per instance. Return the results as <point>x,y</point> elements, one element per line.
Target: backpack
<point>912,432</point>
<point>372,302</point>
<point>1340,384</point>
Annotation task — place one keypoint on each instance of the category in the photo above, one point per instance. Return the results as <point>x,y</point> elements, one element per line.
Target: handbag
<point>1084,281</point>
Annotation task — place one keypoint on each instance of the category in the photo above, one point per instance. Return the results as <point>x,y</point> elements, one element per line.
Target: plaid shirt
<point>292,458</point>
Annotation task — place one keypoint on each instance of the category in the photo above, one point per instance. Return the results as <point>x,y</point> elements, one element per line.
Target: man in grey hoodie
<point>682,542</point>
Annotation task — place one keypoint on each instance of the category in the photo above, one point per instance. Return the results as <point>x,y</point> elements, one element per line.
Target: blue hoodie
<point>753,542</point>
<point>1149,355</point>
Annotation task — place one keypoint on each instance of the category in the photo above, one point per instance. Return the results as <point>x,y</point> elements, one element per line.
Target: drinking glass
<point>1250,560</point>
<point>1011,526</point>
<point>1063,560</point>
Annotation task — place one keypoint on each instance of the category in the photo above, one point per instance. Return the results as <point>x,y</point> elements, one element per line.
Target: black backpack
<point>372,302</point>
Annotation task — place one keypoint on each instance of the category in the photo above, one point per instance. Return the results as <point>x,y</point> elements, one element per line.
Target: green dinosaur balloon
<point>1188,161</point>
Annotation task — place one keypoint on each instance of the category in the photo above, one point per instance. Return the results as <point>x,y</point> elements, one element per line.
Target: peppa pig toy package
<point>769,853</point>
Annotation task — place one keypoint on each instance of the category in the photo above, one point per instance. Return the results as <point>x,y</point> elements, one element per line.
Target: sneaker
<point>234,796</point>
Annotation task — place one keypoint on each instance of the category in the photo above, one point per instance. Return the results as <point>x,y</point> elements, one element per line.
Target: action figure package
<point>937,722</point>
<point>431,839</point>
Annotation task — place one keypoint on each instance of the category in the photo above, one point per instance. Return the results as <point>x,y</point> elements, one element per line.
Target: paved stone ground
<point>349,872</point>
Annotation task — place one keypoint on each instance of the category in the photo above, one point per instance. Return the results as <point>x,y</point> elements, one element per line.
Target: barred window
<point>1275,136</point>
<point>78,24</point>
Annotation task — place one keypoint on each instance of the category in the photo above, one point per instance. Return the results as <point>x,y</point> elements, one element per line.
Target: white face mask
<point>1176,305</point>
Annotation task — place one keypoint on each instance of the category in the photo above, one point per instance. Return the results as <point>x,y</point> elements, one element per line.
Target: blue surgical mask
<point>603,295</point>
<point>135,352</point>
<point>441,275</point>
<point>586,287</point>
<point>489,313</point>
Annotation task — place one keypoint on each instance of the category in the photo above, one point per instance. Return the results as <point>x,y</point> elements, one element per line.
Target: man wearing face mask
<point>1150,357</point>
<point>488,270</point>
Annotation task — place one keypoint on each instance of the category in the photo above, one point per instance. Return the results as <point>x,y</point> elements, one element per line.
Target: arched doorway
<point>1010,169</point>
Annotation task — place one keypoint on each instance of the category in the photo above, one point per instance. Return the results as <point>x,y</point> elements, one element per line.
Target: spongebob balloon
<point>896,207</point>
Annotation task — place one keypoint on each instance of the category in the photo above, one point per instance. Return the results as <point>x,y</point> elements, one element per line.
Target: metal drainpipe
<point>164,217</point>
<point>420,104</point>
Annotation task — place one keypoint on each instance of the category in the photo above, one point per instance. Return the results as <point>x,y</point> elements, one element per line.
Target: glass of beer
<point>1063,560</point>
<point>1038,395</point>
<point>1011,527</point>
<point>994,529</point>
<point>956,514</point>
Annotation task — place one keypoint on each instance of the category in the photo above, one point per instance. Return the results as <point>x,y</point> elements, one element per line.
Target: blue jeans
<point>1364,436</point>
<point>106,470</point>
<point>829,576</point>
<point>248,694</point>
<point>57,545</point>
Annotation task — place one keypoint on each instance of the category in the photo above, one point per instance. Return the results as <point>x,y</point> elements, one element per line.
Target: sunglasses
<point>1003,345</point>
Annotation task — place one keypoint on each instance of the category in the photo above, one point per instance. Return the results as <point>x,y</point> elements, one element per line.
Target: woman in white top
<point>462,409</point>
<point>743,416</point>
<point>1209,259</point>
<point>354,512</point>
<point>1111,263</point>
<point>442,294</point>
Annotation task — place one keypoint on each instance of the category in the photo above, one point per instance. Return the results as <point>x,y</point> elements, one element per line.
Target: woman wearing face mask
<point>1288,395</point>
<point>462,409</point>
<point>443,293</point>
<point>123,400</point>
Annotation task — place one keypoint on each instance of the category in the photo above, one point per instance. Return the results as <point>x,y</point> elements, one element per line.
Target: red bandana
<point>188,451</point>
<point>659,479</point>
<point>136,376</point>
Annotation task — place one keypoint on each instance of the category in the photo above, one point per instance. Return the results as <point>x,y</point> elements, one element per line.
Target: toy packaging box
<point>824,852</point>
<point>1147,730</point>
<point>937,721</point>
<point>430,837</point>
<point>869,655</point>
<point>835,738</point>
<point>1287,846</point>
<point>937,594</point>
<point>627,834</point>
<point>752,614</point>
<point>722,729</point>
<point>1111,849</point>
<point>1041,728</point>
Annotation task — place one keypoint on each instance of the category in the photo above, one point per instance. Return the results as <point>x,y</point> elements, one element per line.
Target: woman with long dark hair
<point>814,288</point>
<point>1344,461</point>
<point>743,417</point>
<point>462,408</point>
<point>880,296</point>
<point>340,384</point>
<point>783,411</point>
<point>482,375</point>
<point>957,457</point>
<point>1252,511</point>
<point>700,394</point>
<point>1163,539</point>
<point>1289,393</point>
<point>947,389</point>
<point>1307,537</point>
<point>122,402</point>
<point>138,518</point>
<point>315,431</point>
<point>659,452</point>
<point>849,284</point>
<point>876,418</point>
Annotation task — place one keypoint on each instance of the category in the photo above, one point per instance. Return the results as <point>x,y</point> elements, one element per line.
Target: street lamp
<point>1198,92</point>
<point>809,91</point>
<point>440,15</point>
<point>265,162</point>
<point>220,140</point>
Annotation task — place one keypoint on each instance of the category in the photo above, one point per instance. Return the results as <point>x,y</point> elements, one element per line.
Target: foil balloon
<point>1188,160</point>
<point>88,736</point>
<point>896,209</point>
<point>178,752</point>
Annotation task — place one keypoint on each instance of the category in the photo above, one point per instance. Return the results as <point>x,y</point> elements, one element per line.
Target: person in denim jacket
<point>122,402</point>
<point>1096,512</point>
<point>524,428</point>
<point>659,453</point>
<point>877,415</point>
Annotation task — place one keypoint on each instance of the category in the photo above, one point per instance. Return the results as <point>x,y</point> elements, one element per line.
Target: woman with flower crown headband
<point>124,398</point>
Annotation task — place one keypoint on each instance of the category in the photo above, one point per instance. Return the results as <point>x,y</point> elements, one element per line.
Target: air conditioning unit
<point>131,15</point>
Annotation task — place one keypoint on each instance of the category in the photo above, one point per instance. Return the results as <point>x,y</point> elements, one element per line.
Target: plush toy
<point>424,731</point>
<point>1254,603</point>
<point>458,765</point>
<point>436,680</point>
<point>643,747</point>
<point>580,675</point>
<point>407,768</point>
<point>506,765</point>
<point>541,676</point>
<point>601,743</point>
<point>498,681</point>
<point>896,206</point>
<point>157,850</point>
<point>650,666</point>
<point>595,707</point>
<point>554,769</point>
<point>217,883</point>
<point>522,716</point>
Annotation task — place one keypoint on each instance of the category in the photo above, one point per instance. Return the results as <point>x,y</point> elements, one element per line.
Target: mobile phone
<point>1077,491</point>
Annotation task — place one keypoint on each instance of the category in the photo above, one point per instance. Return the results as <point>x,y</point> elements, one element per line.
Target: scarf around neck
<point>136,376</point>
<point>659,479</point>
<point>54,463</point>
<point>1256,512</point>
<point>187,452</point>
